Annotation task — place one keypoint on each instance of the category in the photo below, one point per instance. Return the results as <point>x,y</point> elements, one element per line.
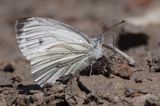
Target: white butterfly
<point>55,49</point>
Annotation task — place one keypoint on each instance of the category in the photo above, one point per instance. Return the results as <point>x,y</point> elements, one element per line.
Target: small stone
<point>47,100</point>
<point>72,101</point>
<point>149,78</point>
<point>8,68</point>
<point>133,92</point>
<point>60,88</point>
<point>123,71</point>
<point>116,99</point>
<point>128,92</point>
<point>16,79</point>
<point>20,86</point>
<point>38,97</point>
<point>2,101</point>
<point>138,80</point>
<point>31,99</point>
<point>154,63</point>
<point>5,82</point>
<point>152,102</point>
<point>144,100</point>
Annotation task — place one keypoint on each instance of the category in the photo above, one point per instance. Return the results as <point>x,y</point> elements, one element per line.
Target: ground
<point>113,82</point>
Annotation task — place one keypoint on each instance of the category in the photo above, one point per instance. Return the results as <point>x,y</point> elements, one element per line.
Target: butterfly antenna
<point>107,29</point>
<point>114,44</point>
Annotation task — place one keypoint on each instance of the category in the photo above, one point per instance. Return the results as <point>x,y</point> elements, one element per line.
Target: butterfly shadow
<point>28,89</point>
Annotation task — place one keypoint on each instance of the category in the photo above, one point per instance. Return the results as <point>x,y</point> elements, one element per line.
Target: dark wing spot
<point>19,32</point>
<point>40,41</point>
<point>19,26</point>
<point>22,20</point>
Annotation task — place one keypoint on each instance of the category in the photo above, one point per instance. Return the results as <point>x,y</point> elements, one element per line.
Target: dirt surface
<point>112,83</point>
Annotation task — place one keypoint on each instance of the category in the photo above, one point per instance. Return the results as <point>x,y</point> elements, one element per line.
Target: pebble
<point>4,82</point>
<point>133,92</point>
<point>124,71</point>
<point>2,101</point>
<point>152,102</point>
<point>144,100</point>
<point>8,68</point>
<point>39,97</point>
<point>138,80</point>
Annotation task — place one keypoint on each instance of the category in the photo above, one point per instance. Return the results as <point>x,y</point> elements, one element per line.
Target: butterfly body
<point>55,49</point>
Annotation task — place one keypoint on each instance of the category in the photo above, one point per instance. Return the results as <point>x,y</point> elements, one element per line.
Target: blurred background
<point>139,35</point>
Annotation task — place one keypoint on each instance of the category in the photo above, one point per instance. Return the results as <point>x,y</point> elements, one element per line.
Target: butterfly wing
<point>53,48</point>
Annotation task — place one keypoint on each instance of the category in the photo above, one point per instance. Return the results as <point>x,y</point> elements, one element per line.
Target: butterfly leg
<point>91,69</point>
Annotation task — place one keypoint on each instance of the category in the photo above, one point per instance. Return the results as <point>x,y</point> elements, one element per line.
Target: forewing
<point>53,48</point>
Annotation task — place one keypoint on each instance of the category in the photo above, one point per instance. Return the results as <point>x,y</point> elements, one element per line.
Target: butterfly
<point>55,49</point>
